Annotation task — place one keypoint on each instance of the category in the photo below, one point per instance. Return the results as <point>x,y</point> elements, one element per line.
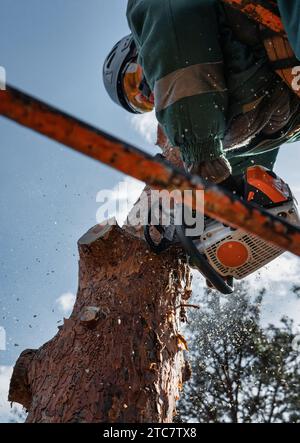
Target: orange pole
<point>159,174</point>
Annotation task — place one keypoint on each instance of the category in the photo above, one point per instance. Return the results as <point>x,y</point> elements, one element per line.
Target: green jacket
<point>201,75</point>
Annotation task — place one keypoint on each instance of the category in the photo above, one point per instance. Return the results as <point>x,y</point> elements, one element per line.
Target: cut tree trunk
<point>120,356</point>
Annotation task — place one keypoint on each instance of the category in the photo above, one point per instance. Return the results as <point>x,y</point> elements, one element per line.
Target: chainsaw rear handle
<point>202,264</point>
<point>160,247</point>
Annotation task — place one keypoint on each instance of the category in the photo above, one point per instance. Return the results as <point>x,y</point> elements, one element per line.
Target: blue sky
<point>55,50</point>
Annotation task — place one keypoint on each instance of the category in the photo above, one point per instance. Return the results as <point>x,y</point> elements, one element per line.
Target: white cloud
<point>278,275</point>
<point>278,278</point>
<point>146,126</point>
<point>66,302</point>
<point>7,413</point>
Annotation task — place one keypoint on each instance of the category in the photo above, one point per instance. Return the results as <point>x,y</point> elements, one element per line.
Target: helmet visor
<point>131,81</point>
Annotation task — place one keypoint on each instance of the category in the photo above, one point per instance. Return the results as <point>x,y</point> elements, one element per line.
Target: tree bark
<point>120,356</point>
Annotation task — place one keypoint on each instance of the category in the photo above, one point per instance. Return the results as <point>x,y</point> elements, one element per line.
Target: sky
<point>54,50</point>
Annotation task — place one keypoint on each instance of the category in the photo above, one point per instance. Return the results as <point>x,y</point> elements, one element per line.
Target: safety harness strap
<point>279,51</point>
<point>285,63</point>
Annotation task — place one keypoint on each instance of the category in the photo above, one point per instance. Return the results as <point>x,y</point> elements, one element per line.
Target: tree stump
<point>120,356</point>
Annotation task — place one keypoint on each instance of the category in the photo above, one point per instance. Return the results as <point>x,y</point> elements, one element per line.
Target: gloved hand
<point>271,113</point>
<point>215,171</point>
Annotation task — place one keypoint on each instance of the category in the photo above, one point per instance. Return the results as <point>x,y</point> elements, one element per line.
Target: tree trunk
<point>120,356</point>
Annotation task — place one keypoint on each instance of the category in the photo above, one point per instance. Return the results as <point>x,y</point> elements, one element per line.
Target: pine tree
<point>242,373</point>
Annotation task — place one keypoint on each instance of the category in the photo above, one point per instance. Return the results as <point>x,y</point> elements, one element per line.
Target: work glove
<point>214,171</point>
<point>271,113</point>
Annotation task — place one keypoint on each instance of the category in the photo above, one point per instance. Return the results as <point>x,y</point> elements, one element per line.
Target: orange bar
<point>75,134</point>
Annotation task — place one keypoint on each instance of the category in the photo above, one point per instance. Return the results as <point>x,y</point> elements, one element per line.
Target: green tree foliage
<point>242,373</point>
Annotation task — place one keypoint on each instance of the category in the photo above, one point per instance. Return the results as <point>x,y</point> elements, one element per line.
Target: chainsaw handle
<point>164,244</point>
<point>202,264</point>
<point>157,248</point>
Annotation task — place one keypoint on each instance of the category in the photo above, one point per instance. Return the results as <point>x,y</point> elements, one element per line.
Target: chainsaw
<point>222,253</point>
